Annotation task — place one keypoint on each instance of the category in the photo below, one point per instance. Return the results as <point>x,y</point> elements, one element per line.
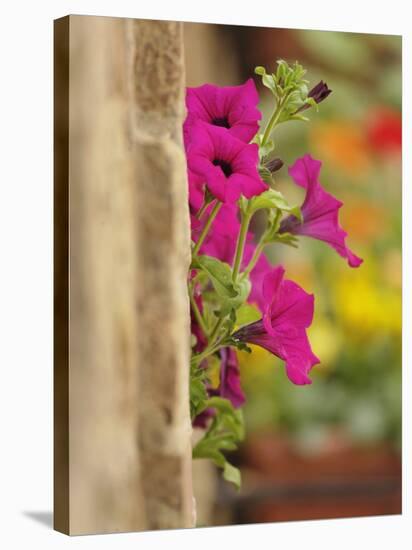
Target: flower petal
<point>282,330</point>
<point>319,211</point>
<point>231,107</point>
<point>230,387</point>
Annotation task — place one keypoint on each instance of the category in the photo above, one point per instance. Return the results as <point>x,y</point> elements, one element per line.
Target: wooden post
<point>122,423</point>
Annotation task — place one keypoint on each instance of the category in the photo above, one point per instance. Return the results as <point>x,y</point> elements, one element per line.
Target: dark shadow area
<point>44,518</point>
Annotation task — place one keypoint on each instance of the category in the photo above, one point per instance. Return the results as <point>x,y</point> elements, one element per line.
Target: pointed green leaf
<point>260,70</point>
<point>271,199</point>
<point>266,175</point>
<point>228,304</point>
<point>232,474</point>
<point>219,273</point>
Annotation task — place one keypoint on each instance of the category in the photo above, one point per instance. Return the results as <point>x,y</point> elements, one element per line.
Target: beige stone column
<point>122,425</point>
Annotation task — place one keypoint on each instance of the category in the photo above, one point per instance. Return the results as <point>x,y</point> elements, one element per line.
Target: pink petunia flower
<point>232,107</point>
<point>229,386</point>
<point>221,239</point>
<point>319,210</point>
<point>282,330</point>
<point>225,164</point>
<point>257,276</point>
<point>196,191</point>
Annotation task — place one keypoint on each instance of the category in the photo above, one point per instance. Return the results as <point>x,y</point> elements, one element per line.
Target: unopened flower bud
<point>318,93</point>
<point>274,165</point>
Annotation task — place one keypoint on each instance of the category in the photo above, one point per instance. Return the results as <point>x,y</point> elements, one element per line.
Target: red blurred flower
<point>384,130</point>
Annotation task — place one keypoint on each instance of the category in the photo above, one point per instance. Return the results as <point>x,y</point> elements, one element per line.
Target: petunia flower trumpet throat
<point>226,165</point>
<point>230,107</point>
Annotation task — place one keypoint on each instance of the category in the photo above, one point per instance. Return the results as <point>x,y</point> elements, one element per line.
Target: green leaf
<point>268,81</point>
<point>198,393</point>
<point>229,304</point>
<point>265,150</point>
<point>221,404</point>
<point>260,70</point>
<point>281,70</point>
<point>231,295</point>
<point>219,273</point>
<point>230,317</point>
<point>266,175</point>
<point>299,117</point>
<point>225,431</point>
<point>232,474</point>
<point>273,199</point>
<point>294,101</point>
<point>229,418</point>
<point>285,238</point>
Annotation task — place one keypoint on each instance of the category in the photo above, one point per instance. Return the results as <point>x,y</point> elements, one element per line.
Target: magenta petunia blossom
<point>227,165</point>
<point>231,107</point>
<point>202,419</point>
<point>196,191</point>
<point>229,386</point>
<point>319,211</point>
<point>221,239</point>
<point>282,330</point>
<point>257,275</point>
<point>221,244</point>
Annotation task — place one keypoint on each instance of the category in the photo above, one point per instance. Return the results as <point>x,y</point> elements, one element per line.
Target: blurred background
<point>331,449</point>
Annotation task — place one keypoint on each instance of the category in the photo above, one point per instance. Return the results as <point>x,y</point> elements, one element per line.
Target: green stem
<point>197,359</point>
<point>256,255</point>
<point>196,311</point>
<point>246,217</point>
<point>216,329</point>
<point>206,228</point>
<point>202,210</point>
<point>272,122</point>
<point>264,240</point>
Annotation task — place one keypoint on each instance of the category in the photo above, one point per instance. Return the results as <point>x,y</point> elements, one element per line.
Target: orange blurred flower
<point>342,143</point>
<point>362,220</point>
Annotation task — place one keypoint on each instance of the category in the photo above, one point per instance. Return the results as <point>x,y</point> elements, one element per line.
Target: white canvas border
<point>26,272</point>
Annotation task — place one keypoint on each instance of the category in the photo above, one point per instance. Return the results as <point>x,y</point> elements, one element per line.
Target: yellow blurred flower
<point>366,305</point>
<point>253,365</point>
<point>213,371</point>
<point>326,341</point>
<point>392,268</point>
